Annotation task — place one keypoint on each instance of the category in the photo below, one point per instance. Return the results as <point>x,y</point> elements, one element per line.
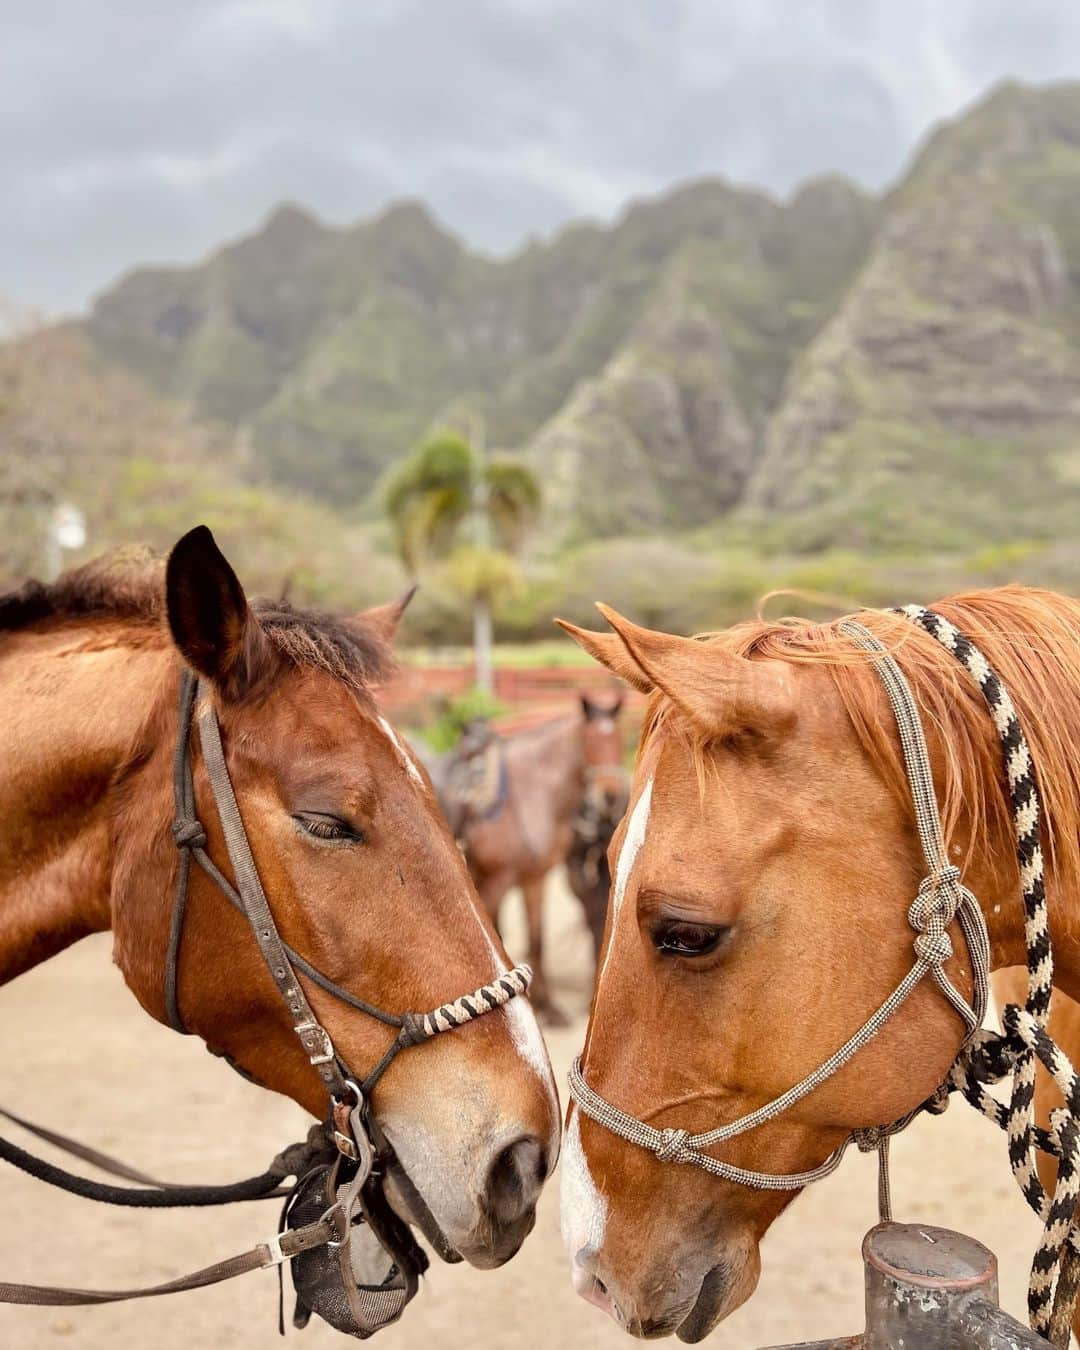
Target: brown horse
<point>759,915</point>
<point>362,875</point>
<point>551,773</point>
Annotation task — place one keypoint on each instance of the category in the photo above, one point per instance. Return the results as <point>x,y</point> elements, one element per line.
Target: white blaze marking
<point>525,1032</point>
<point>404,753</point>
<point>582,1209</point>
<point>636,827</point>
<point>524,1029</point>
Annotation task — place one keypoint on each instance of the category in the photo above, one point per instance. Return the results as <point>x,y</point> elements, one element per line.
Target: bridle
<point>984,1056</point>
<point>358,1152</point>
<point>282,961</point>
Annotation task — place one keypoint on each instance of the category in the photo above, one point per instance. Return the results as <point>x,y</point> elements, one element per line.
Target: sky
<point>133,132</point>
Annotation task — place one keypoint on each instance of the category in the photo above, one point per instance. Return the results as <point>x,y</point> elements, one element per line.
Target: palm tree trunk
<point>482,644</point>
<point>482,534</point>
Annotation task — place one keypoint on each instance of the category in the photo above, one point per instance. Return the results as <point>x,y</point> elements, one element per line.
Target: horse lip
<point>411,1206</point>
<point>702,1317</point>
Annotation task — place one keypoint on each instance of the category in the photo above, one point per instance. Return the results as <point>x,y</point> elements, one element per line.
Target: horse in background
<point>519,805</point>
<point>587,872</point>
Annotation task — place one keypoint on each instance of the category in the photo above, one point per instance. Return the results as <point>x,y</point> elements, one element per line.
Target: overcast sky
<point>132,131</point>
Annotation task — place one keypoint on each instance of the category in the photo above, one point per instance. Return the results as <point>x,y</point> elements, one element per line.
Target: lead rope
<point>990,1058</point>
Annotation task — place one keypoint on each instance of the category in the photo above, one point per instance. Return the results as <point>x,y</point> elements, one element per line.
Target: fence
<point>930,1289</point>
<point>529,695</point>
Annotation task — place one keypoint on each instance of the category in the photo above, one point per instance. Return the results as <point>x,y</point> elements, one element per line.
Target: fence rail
<point>930,1288</point>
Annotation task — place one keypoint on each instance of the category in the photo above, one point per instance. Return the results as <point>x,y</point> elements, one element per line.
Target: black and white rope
<point>985,1056</point>
<point>1025,1042</point>
<point>471,1006</point>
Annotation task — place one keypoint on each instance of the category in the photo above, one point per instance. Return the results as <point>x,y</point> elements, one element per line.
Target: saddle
<point>476,782</point>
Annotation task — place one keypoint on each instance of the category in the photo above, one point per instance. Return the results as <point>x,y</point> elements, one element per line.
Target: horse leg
<point>533,891</point>
<point>492,887</point>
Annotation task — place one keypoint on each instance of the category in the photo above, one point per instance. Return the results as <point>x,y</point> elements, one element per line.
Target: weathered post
<point>930,1288</point>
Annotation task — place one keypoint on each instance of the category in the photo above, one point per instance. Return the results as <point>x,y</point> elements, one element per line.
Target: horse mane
<point>128,584</point>
<point>1030,637</point>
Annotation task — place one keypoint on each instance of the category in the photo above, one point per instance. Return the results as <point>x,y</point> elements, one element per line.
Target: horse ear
<point>609,651</point>
<point>716,690</point>
<point>209,617</point>
<point>383,620</point>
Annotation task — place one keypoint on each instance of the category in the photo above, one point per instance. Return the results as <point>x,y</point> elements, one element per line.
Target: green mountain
<point>665,336</point>
<point>832,375</point>
<point>940,406</point>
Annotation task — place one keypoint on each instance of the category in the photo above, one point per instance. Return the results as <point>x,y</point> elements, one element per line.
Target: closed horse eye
<point>327,828</point>
<point>681,938</point>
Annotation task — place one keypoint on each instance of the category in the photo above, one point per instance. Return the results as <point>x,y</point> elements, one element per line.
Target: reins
<point>984,1057</point>
<point>350,1133</point>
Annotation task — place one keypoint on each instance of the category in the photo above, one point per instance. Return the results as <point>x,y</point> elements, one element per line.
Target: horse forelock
<point>128,586</point>
<point>1030,637</point>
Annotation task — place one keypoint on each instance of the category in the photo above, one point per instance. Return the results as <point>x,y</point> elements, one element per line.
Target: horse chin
<point>726,1287</point>
<point>408,1204</point>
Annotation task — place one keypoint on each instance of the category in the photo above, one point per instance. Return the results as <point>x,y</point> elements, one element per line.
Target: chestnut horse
<point>553,771</point>
<point>361,872</point>
<point>759,916</point>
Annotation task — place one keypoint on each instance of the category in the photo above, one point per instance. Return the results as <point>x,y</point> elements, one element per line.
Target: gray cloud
<point>132,131</point>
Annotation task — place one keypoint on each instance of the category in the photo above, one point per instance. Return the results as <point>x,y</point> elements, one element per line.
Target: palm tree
<point>450,502</point>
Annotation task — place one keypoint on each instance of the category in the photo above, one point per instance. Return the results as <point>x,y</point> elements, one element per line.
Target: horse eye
<point>329,829</point>
<point>687,939</point>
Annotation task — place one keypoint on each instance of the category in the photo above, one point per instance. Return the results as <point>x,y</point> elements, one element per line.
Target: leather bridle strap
<point>263,1256</point>
<point>248,897</point>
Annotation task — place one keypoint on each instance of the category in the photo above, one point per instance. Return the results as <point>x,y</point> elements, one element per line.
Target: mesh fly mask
<point>985,1057</point>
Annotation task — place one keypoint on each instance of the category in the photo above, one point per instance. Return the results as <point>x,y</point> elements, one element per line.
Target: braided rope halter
<point>985,1056</point>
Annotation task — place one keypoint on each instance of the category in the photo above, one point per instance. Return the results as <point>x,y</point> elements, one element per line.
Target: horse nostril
<point>515,1178</point>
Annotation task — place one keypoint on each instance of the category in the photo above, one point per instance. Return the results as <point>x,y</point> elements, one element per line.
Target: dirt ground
<point>79,1054</point>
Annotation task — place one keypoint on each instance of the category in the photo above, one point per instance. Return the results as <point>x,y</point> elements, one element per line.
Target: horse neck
<point>83,705</point>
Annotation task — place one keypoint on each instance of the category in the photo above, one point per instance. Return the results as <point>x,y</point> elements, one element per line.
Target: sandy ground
<point>79,1054</point>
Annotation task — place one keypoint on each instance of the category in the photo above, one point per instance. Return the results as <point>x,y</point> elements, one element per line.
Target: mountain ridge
<point>798,368</point>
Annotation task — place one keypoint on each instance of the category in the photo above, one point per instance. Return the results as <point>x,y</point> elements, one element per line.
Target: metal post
<point>929,1288</point>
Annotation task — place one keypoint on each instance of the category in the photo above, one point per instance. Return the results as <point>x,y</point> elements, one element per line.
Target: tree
<point>451,503</point>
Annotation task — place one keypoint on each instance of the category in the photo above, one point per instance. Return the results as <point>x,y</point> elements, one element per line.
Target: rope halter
<point>984,1057</point>
<point>941,898</point>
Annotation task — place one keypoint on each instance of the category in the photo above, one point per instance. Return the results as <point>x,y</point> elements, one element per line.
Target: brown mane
<point>129,585</point>
<point>1032,640</point>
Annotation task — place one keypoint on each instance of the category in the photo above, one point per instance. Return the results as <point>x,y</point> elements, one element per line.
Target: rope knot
<point>938,1101</point>
<point>939,897</point>
<point>869,1138</point>
<point>933,948</point>
<point>188,834</point>
<point>414,1029</point>
<point>671,1146</point>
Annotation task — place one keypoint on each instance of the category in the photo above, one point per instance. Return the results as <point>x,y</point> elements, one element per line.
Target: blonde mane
<point>1030,637</point>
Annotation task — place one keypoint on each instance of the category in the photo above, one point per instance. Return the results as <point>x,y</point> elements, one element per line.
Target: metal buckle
<point>345,1146</point>
<point>314,1037</point>
<point>348,1124</point>
<point>273,1246</point>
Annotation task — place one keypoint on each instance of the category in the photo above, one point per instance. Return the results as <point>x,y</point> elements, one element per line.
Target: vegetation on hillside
<point>720,394</point>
